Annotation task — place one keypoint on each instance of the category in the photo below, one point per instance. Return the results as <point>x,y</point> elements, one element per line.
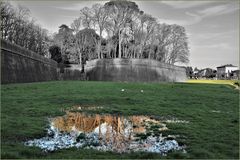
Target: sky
<point>212,26</point>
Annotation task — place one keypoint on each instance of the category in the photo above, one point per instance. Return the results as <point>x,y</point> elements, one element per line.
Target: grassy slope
<point>25,108</point>
<point>208,81</point>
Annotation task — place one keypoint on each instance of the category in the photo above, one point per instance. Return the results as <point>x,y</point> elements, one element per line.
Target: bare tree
<point>172,44</point>
<point>7,19</point>
<point>163,38</point>
<point>178,50</point>
<point>100,19</point>
<point>120,12</point>
<point>87,40</point>
<point>86,16</point>
<point>76,25</point>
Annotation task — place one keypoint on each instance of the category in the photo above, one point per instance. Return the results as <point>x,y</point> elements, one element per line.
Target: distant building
<point>224,72</point>
<point>235,74</point>
<point>207,73</point>
<point>195,73</point>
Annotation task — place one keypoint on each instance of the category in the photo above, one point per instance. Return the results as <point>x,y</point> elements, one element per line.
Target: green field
<point>26,107</point>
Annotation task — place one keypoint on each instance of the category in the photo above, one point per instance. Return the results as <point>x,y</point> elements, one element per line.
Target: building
<point>235,74</point>
<point>195,73</point>
<point>224,72</point>
<point>207,73</point>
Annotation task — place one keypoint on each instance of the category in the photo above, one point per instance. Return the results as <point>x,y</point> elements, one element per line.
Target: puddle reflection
<point>107,133</point>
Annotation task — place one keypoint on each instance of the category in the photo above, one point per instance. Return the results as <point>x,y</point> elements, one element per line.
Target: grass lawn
<point>26,107</point>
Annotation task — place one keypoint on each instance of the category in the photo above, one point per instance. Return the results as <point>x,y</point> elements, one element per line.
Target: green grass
<point>26,107</point>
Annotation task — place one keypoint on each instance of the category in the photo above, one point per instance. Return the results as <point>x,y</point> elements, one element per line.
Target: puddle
<point>107,133</point>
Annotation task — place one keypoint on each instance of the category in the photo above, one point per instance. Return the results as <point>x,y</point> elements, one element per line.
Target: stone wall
<point>19,65</point>
<point>133,70</point>
<point>71,74</point>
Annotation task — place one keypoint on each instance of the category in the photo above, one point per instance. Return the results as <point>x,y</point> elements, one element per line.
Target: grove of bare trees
<point>117,29</point>
<point>124,31</point>
<point>18,27</point>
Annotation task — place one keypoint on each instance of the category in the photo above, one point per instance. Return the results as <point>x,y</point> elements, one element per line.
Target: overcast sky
<point>212,26</point>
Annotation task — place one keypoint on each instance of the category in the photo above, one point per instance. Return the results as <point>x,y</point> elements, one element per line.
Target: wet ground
<point>108,133</point>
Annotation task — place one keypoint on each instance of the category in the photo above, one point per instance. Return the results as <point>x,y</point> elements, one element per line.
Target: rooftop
<point>227,65</point>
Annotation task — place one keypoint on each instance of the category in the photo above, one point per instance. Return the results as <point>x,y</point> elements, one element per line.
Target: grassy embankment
<point>234,83</point>
<point>26,107</point>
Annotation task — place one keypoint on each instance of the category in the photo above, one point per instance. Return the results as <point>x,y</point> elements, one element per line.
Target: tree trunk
<point>80,57</point>
<point>141,51</point>
<point>115,52</point>
<point>119,44</point>
<point>149,54</point>
<point>100,45</point>
<point>99,49</point>
<point>134,51</point>
<point>150,51</point>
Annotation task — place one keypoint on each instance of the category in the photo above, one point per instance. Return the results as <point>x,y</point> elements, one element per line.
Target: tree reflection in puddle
<point>107,133</point>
